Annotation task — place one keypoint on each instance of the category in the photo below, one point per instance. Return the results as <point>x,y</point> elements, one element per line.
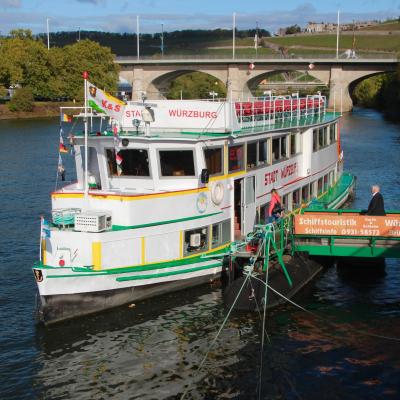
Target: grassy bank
<point>41,109</point>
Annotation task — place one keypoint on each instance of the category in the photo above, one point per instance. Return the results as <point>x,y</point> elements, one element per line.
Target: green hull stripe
<point>149,267</point>
<point>171,221</point>
<point>162,274</point>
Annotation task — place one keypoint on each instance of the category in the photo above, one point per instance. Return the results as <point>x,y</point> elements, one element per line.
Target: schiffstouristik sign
<point>347,225</point>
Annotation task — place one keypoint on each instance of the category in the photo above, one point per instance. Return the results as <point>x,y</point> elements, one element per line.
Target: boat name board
<point>185,115</point>
<point>347,225</point>
<point>280,173</point>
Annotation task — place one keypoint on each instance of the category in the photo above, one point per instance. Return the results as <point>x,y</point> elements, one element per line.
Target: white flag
<point>104,103</point>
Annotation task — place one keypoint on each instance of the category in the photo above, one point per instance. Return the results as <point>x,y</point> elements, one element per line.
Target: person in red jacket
<point>275,207</point>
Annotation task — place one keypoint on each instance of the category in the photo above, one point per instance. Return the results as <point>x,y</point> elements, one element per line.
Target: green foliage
<point>3,92</point>
<point>22,100</point>
<point>55,73</point>
<point>292,29</point>
<point>367,91</point>
<point>196,85</point>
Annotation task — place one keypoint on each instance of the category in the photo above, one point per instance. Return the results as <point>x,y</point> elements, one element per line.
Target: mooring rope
<point>264,314</point>
<point>395,339</point>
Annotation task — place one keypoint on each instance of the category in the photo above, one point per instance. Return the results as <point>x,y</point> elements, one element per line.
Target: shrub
<point>22,100</point>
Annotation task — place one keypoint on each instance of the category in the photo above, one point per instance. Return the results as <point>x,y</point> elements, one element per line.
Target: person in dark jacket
<point>376,206</point>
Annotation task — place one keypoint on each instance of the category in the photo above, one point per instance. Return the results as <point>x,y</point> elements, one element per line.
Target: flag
<point>118,158</point>
<point>44,229</point>
<point>62,147</point>
<point>66,118</point>
<point>60,168</point>
<point>104,103</point>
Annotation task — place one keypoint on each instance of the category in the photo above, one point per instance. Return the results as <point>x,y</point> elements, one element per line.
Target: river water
<point>349,348</point>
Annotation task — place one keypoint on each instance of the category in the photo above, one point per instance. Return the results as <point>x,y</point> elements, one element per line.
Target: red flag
<point>62,147</point>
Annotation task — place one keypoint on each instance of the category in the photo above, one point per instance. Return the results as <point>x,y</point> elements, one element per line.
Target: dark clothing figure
<point>376,206</point>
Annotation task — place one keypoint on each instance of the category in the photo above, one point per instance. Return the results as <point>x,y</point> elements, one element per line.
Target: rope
<point>218,333</point>
<point>324,319</point>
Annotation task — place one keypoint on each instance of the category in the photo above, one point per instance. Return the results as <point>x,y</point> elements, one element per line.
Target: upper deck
<point>195,119</point>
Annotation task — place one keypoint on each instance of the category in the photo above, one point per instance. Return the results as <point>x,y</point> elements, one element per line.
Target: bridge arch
<point>278,80</point>
<point>162,84</point>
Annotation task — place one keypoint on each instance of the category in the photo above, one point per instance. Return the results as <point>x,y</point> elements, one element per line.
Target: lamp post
<point>79,33</point>
<point>48,33</point>
<point>162,40</point>
<point>137,37</point>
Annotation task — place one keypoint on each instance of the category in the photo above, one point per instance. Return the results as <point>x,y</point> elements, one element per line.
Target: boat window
<point>263,213</point>
<point>133,162</point>
<point>296,199</point>
<point>279,148</point>
<point>321,142</point>
<point>285,202</point>
<point>177,162</point>
<point>320,186</point>
<point>275,149</point>
<point>251,155</point>
<point>263,152</point>
<point>214,160</point>
<point>221,233</point>
<point>305,191</point>
<point>293,144</point>
<point>326,182</point>
<point>196,241</point>
<point>93,167</point>
<point>332,133</point>
<point>315,140</point>
<point>236,158</point>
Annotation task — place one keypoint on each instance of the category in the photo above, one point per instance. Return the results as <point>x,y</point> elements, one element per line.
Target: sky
<point>120,15</point>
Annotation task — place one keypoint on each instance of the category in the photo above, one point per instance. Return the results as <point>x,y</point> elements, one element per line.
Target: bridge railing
<point>309,57</point>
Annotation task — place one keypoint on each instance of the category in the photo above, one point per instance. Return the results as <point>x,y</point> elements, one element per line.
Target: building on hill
<point>318,27</point>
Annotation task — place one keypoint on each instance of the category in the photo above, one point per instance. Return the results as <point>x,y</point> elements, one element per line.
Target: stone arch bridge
<point>153,76</point>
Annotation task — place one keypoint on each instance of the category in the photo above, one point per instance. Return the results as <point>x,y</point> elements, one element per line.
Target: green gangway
<point>346,233</point>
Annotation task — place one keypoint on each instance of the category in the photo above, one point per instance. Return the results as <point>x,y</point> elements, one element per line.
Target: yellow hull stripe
<point>96,256</point>
<point>44,251</point>
<point>143,259</point>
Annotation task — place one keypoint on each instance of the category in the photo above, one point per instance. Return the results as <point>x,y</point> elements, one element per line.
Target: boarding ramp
<point>346,233</point>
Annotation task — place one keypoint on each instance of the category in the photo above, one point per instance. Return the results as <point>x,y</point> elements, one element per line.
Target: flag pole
<point>86,191</point>
<point>137,36</point>
<point>40,243</point>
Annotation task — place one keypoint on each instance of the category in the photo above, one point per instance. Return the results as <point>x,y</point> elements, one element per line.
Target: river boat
<point>165,186</point>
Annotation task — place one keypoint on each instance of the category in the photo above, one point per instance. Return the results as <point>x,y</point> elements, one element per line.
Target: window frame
<point>244,152</point>
<point>150,176</point>
<point>162,177</point>
<point>221,148</point>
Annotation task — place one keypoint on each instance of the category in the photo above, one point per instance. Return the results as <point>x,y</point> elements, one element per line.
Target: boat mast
<point>86,190</point>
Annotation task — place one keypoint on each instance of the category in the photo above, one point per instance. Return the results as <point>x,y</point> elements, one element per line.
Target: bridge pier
<point>339,96</point>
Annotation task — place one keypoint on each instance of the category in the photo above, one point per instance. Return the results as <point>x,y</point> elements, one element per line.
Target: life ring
<point>217,193</point>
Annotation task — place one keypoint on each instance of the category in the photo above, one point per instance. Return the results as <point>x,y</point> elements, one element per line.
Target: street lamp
<point>162,40</point>
<point>79,33</point>
<point>48,33</point>
<point>213,94</point>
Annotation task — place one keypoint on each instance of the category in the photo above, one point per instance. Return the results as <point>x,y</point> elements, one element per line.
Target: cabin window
<point>305,192</point>
<point>326,182</point>
<point>214,160</point>
<point>293,144</point>
<point>279,148</point>
<point>321,142</point>
<point>264,213</point>
<point>93,167</point>
<point>196,241</point>
<point>134,162</point>
<point>332,133</point>
<point>314,192</point>
<point>263,152</point>
<point>177,162</point>
<point>285,202</point>
<point>221,233</point>
<point>236,162</point>
<point>320,187</point>
<point>251,155</point>
<point>296,199</point>
<point>315,140</point>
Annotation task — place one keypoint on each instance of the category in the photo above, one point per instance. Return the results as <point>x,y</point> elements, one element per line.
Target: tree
<point>196,85</point>
<point>292,29</point>
<point>22,100</point>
